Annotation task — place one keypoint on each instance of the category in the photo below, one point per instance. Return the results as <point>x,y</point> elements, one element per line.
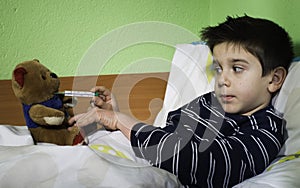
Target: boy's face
<point>239,87</point>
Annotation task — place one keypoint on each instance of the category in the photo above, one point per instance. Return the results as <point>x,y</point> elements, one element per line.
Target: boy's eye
<point>237,69</point>
<point>217,69</point>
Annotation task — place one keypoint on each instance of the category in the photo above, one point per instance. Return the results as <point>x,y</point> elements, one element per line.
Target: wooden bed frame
<point>139,95</point>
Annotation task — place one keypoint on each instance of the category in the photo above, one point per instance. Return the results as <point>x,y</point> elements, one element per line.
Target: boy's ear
<point>278,76</point>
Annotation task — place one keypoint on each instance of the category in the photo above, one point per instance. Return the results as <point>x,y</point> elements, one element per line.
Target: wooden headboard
<point>140,95</point>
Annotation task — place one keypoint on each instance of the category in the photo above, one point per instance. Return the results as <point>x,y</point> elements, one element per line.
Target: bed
<point>108,161</point>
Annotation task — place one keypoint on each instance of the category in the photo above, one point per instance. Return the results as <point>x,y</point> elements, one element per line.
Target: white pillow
<point>288,102</point>
<point>190,76</point>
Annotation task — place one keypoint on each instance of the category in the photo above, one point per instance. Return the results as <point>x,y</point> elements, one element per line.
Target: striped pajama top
<point>206,147</point>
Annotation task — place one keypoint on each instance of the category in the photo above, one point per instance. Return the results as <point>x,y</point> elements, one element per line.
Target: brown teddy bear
<point>46,113</point>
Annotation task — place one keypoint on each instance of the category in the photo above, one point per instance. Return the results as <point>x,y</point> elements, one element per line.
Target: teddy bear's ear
<point>19,75</point>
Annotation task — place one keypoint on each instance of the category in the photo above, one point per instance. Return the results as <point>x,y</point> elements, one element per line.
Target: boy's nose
<point>223,80</point>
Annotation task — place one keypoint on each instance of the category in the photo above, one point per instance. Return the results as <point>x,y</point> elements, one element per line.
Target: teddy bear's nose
<point>53,75</point>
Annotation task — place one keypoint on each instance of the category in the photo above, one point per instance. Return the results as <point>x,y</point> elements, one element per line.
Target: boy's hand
<point>105,100</point>
<point>109,119</point>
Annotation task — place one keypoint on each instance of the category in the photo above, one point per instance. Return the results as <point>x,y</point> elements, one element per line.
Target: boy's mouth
<point>226,98</point>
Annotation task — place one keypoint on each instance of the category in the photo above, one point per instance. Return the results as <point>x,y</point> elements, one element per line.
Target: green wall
<point>125,36</point>
<point>60,32</point>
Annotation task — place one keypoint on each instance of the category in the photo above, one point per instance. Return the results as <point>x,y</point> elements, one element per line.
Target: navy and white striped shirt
<point>206,147</point>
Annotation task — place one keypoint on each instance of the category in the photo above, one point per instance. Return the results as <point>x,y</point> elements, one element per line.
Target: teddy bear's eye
<point>43,77</point>
<point>53,75</point>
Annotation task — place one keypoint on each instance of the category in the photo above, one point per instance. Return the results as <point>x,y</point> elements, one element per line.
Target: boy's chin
<point>230,109</point>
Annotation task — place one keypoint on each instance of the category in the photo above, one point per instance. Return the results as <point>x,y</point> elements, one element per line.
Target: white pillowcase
<point>190,76</point>
<point>288,102</point>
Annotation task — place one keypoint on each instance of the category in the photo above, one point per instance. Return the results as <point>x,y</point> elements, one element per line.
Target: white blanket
<point>23,164</point>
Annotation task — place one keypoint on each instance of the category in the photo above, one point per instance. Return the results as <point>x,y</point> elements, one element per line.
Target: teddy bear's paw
<point>73,130</point>
<point>54,120</point>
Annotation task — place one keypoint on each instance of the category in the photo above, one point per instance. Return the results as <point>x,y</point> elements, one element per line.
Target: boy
<point>226,136</point>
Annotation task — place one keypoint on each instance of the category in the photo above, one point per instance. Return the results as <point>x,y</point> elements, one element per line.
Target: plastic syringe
<point>79,93</point>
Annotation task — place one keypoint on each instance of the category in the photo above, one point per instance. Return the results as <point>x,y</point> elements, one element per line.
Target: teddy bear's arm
<point>69,103</point>
<point>46,116</point>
